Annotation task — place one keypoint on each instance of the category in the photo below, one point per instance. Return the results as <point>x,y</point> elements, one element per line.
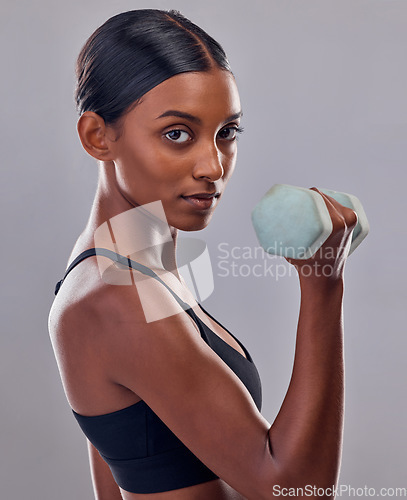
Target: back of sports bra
<point>143,454</point>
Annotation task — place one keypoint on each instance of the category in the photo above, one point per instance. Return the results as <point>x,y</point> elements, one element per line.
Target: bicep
<point>195,393</point>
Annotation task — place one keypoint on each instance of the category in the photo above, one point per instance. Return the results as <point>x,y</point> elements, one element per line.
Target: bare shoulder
<point>84,314</point>
<point>80,309</point>
<point>91,322</point>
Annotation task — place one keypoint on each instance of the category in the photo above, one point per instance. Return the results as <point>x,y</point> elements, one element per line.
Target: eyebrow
<point>195,119</point>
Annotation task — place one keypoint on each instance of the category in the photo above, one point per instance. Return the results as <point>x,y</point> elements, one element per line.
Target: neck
<point>138,232</point>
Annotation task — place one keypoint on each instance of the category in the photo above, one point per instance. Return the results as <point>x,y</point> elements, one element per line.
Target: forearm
<point>104,486</point>
<point>306,437</point>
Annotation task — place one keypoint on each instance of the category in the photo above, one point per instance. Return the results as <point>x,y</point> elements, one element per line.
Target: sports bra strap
<point>126,262</point>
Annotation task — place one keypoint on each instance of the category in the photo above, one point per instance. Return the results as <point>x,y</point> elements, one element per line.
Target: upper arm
<point>168,365</point>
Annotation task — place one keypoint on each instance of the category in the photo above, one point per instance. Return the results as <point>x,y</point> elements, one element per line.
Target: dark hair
<point>133,52</point>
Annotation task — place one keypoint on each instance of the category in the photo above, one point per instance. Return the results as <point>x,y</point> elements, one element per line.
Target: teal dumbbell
<point>294,222</point>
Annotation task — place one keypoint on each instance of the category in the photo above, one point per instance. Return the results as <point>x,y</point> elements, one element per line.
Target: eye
<point>230,133</point>
<point>177,135</point>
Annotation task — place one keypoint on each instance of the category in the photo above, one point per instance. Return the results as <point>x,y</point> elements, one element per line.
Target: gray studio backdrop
<point>323,86</point>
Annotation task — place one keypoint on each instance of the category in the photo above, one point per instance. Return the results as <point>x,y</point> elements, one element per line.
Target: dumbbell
<point>294,222</point>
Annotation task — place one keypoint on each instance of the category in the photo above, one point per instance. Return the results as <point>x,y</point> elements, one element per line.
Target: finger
<point>336,209</point>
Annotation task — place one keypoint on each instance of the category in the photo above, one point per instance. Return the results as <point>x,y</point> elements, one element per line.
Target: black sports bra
<point>143,454</point>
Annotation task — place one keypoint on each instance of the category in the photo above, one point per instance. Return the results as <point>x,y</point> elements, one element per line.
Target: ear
<point>93,134</point>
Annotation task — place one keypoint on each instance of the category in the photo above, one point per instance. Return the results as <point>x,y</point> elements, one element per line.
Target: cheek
<point>138,162</point>
<point>173,167</point>
<point>148,169</point>
<point>229,166</point>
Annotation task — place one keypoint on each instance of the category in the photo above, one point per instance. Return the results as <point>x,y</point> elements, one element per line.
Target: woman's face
<point>179,146</point>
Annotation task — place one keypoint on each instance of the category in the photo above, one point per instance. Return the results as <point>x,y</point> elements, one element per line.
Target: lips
<point>202,201</point>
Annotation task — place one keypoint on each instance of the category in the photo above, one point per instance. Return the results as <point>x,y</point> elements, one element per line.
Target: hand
<point>329,261</point>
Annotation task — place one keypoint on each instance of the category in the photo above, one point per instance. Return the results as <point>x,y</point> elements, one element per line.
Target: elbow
<point>271,476</point>
<point>296,477</point>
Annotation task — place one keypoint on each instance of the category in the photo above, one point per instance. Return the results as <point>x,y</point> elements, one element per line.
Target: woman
<point>168,398</point>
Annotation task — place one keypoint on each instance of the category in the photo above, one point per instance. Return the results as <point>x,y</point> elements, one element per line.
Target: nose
<point>209,164</point>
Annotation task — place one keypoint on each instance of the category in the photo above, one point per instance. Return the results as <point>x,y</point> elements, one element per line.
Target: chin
<point>192,223</point>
